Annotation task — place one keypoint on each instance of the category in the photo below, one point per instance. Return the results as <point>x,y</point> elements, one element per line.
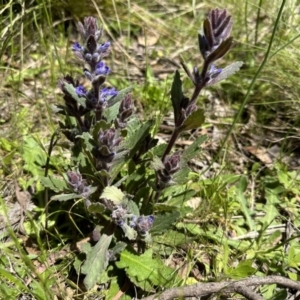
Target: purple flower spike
<point>81,91</point>
<point>77,47</point>
<point>102,69</point>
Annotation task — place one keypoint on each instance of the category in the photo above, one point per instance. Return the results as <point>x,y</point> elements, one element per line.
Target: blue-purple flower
<point>103,47</point>
<point>81,91</point>
<point>77,47</point>
<point>214,72</point>
<point>102,69</point>
<point>107,93</point>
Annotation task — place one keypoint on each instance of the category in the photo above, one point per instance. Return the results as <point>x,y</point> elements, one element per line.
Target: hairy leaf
<point>172,238</point>
<point>163,222</point>
<point>98,208</point>
<point>226,72</point>
<point>96,261</point>
<point>53,183</point>
<point>114,194</point>
<point>191,151</point>
<point>146,271</point>
<point>65,197</point>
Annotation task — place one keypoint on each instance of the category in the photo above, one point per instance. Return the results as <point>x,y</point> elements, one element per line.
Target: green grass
<point>242,197</point>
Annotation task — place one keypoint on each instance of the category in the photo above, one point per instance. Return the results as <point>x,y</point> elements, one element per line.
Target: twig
<point>241,287</point>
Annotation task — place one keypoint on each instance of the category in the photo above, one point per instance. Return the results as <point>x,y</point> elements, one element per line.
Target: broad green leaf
<point>178,200</point>
<point>98,208</point>
<point>243,269</point>
<point>157,150</point>
<point>193,121</point>
<point>88,140</point>
<point>172,238</point>
<point>176,95</point>
<point>53,183</point>
<point>294,276</point>
<point>157,164</point>
<point>146,271</point>
<point>137,133</point>
<point>114,194</point>
<point>214,235</point>
<point>65,197</point>
<point>163,222</point>
<point>181,176</point>
<point>96,261</point>
<point>34,155</point>
<point>129,232</point>
<point>120,96</point>
<point>118,248</point>
<point>133,208</point>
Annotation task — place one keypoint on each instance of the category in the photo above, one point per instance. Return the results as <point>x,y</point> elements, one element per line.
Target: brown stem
<point>240,286</point>
<point>171,143</point>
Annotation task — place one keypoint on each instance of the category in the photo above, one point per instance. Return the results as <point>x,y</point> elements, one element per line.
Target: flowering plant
<point>132,188</point>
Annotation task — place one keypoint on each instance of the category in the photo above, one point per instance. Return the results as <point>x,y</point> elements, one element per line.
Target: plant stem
<point>171,143</point>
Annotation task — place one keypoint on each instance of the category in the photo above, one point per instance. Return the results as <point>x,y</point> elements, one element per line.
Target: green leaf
<point>65,197</point>
<point>98,208</point>
<point>111,112</point>
<point>100,125</point>
<point>241,187</point>
<point>163,222</point>
<point>145,271</point>
<point>118,248</point>
<point>96,261</point>
<point>243,270</point>
<point>176,95</point>
<point>179,199</point>
<point>137,132</point>
<point>172,238</point>
<point>191,151</point>
<point>133,208</point>
<point>120,96</point>
<point>53,183</point>
<point>114,194</point>
<point>181,176</point>
<point>88,140</point>
<point>34,155</point>
<point>193,121</point>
